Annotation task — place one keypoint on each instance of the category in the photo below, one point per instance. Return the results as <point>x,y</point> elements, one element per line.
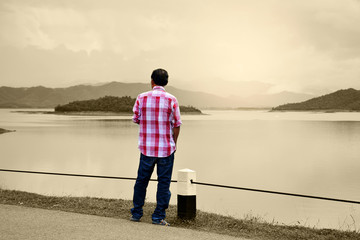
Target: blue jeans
<point>164,172</point>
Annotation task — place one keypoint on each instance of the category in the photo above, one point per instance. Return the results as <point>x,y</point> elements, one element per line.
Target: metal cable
<point>274,192</point>
<point>74,175</point>
<point>193,182</point>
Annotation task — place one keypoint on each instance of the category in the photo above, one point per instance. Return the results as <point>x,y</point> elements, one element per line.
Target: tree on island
<point>104,104</point>
<point>109,104</point>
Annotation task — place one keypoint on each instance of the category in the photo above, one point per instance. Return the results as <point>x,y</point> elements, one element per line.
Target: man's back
<point>158,113</point>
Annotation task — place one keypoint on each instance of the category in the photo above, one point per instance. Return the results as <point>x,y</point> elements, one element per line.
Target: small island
<point>5,131</point>
<point>346,100</point>
<point>108,105</point>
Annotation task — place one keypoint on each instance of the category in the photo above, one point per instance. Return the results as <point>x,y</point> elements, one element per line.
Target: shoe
<point>135,219</point>
<point>161,222</point>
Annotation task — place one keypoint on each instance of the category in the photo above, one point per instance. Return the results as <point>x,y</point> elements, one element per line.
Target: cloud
<point>329,26</point>
<point>295,45</point>
<point>124,29</point>
<point>48,28</point>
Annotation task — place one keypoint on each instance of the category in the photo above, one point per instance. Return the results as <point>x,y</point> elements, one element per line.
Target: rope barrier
<point>74,175</point>
<point>274,192</point>
<point>193,182</point>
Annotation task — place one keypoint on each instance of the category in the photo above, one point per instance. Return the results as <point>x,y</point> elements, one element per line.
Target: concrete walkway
<point>18,222</point>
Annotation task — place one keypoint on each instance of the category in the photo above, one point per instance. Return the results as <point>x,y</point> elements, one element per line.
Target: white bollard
<point>186,194</point>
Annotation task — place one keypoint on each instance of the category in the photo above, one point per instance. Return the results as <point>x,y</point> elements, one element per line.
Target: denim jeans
<point>164,172</point>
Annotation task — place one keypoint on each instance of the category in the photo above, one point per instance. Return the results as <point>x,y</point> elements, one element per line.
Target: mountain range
<point>43,97</point>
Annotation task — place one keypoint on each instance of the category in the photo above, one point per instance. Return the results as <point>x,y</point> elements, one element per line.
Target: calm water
<point>305,153</point>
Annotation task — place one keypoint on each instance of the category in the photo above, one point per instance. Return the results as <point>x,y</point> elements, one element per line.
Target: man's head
<point>160,77</point>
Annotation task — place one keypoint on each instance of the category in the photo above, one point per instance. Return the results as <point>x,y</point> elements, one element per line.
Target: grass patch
<point>251,227</point>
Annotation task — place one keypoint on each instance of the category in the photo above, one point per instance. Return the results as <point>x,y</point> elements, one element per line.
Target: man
<point>157,112</point>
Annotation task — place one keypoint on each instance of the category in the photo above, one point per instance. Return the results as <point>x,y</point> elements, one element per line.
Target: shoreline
<point>318,111</point>
<point>85,113</point>
<point>100,113</point>
<point>91,113</point>
<point>249,227</point>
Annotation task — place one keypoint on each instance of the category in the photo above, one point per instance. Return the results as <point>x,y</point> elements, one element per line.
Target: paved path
<point>18,222</point>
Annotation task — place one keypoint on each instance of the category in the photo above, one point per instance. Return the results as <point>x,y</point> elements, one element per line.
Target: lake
<point>297,152</point>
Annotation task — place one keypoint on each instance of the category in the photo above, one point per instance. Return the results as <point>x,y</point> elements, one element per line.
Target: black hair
<point>160,77</point>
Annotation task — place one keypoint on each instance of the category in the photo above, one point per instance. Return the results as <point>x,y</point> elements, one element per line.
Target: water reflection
<point>306,153</point>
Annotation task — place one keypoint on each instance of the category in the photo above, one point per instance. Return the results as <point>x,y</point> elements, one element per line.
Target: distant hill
<point>43,97</point>
<point>342,100</point>
<point>109,104</point>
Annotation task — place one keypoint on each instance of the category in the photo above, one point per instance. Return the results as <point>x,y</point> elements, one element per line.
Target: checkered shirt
<point>157,112</point>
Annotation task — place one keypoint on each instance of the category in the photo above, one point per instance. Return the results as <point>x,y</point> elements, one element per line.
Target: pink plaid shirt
<point>157,112</point>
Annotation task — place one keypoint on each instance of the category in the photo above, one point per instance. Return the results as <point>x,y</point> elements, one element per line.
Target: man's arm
<point>176,131</point>
<point>177,121</point>
<point>136,111</point>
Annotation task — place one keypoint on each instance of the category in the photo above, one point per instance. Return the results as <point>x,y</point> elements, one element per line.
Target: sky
<point>227,47</point>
